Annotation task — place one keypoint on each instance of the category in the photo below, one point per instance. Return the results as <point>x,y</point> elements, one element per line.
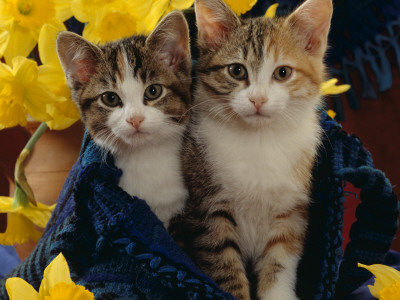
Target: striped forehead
<point>129,85</point>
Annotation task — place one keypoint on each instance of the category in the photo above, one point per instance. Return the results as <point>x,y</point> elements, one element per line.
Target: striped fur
<point>143,134</point>
<point>253,140</point>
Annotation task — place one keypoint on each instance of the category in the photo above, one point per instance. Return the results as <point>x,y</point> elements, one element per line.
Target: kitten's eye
<point>282,73</point>
<point>237,71</point>
<point>110,99</point>
<point>152,92</point>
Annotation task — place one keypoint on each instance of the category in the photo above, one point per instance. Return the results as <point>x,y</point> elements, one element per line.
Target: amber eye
<point>237,71</point>
<point>282,73</point>
<point>111,99</point>
<point>152,92</point>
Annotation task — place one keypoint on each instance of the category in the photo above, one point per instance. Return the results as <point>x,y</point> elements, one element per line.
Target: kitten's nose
<point>135,121</point>
<point>258,101</point>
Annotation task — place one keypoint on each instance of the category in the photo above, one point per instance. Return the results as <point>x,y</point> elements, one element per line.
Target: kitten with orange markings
<point>252,143</point>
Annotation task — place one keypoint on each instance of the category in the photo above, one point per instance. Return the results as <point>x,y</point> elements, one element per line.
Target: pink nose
<point>135,121</point>
<point>258,101</point>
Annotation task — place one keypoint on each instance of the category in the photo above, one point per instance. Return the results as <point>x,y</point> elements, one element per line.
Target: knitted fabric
<point>117,248</point>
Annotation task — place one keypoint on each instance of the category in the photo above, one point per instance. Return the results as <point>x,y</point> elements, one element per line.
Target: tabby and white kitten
<point>133,96</point>
<point>254,137</point>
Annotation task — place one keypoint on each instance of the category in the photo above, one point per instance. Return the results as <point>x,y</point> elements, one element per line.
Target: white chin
<point>257,119</point>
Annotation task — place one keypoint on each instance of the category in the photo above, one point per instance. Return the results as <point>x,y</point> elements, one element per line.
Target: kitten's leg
<point>217,253</point>
<point>277,268</point>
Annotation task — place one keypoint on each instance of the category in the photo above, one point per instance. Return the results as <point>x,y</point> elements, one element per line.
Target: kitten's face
<point>131,92</point>
<point>258,70</point>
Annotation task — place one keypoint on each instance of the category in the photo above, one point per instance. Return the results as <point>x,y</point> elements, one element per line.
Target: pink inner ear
<point>85,68</point>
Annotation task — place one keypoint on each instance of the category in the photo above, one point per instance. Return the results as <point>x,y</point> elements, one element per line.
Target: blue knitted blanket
<point>117,248</point>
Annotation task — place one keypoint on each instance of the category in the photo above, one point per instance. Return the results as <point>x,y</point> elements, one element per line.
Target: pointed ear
<point>170,41</point>
<point>215,21</point>
<point>79,58</point>
<point>312,21</point>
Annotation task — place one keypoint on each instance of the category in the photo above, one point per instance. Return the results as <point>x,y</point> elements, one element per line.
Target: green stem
<point>35,136</point>
<point>23,192</point>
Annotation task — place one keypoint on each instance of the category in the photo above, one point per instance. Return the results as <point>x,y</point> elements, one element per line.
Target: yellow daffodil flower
<point>387,282</point>
<point>23,20</point>
<point>271,11</point>
<point>22,220</point>
<point>109,20</point>
<point>64,112</point>
<point>330,88</point>
<point>241,6</point>
<point>110,25</point>
<point>56,285</point>
<point>21,93</point>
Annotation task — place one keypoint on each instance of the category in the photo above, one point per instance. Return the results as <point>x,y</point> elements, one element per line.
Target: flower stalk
<point>23,191</point>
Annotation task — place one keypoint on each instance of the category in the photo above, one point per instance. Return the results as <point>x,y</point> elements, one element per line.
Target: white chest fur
<point>154,175</point>
<point>257,171</point>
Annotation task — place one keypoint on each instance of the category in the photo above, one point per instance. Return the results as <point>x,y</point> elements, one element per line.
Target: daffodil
<point>56,285</point>
<point>159,9</point>
<point>23,20</point>
<point>22,220</point>
<point>109,20</point>
<point>64,112</point>
<point>271,11</point>
<point>21,93</point>
<point>330,88</point>
<point>387,282</point>
<point>241,6</point>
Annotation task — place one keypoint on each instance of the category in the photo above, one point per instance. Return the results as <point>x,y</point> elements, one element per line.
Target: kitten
<point>133,96</point>
<point>254,133</point>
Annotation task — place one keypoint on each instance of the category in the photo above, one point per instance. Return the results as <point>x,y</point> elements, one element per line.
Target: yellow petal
<point>157,11</point>
<point>64,114</point>
<point>138,8</point>
<point>241,6</point>
<point>331,113</point>
<point>4,37</point>
<point>5,203</point>
<point>20,43</point>
<point>69,291</point>
<point>110,26</point>
<point>38,215</point>
<point>19,289</point>
<point>330,88</point>
<point>25,70</point>
<point>47,42</point>
<point>271,11</point>
<point>57,271</point>
<point>390,293</point>
<point>80,11</point>
<point>12,111</point>
<point>384,277</point>
<point>19,230</point>
<point>181,4</point>
<point>63,10</point>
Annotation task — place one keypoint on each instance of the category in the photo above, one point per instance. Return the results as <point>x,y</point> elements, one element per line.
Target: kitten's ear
<point>312,21</point>
<point>79,58</point>
<point>215,20</point>
<point>170,41</point>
